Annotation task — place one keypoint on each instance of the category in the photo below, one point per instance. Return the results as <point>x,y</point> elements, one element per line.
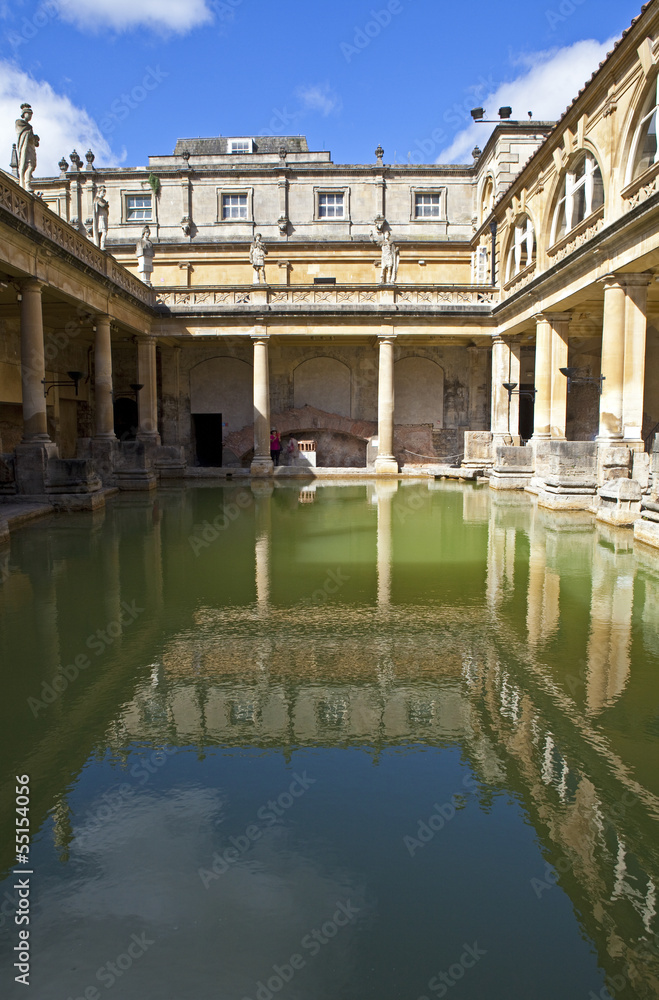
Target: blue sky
<point>129,77</point>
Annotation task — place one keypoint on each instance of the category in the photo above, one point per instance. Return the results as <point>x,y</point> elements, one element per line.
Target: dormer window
<point>241,146</point>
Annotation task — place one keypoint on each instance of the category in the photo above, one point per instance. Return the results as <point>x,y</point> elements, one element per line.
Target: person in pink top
<point>275,445</point>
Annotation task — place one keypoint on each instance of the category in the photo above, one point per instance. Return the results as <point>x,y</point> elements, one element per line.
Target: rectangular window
<point>330,206</point>
<point>426,206</point>
<point>138,208</point>
<point>240,145</point>
<point>234,206</point>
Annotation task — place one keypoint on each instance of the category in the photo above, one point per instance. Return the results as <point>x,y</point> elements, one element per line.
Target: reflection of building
<point>396,371</point>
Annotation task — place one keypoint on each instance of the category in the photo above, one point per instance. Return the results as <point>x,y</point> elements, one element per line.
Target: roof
<point>261,144</point>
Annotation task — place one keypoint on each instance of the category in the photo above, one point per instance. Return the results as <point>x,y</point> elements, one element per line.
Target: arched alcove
<point>418,392</point>
<point>323,383</point>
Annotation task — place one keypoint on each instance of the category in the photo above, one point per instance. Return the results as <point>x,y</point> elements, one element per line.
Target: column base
<point>261,466</point>
<point>32,459</point>
<point>105,451</point>
<point>386,465</point>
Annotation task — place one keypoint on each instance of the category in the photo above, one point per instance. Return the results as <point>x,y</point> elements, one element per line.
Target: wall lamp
<point>573,378</point>
<point>75,379</point>
<point>478,114</point>
<point>512,390</point>
<point>135,388</point>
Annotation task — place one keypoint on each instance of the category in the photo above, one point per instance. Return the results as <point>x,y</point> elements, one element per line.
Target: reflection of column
<point>261,463</point>
<point>103,379</point>
<point>634,367</point>
<point>500,561</point>
<point>385,463</point>
<point>148,396</point>
<point>35,427</point>
<point>505,368</point>
<point>385,493</point>
<point>543,605</point>
<point>613,353</point>
<point>262,536</point>
<point>611,605</point>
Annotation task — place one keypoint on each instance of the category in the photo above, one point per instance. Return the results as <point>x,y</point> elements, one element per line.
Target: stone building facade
<point>539,256</point>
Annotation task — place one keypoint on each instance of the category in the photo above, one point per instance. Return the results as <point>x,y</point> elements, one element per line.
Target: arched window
<point>644,146</point>
<point>487,198</point>
<point>582,193</point>
<point>522,247</point>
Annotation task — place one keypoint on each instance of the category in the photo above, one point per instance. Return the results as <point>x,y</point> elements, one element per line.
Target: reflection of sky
<point>139,872</point>
<point>343,840</point>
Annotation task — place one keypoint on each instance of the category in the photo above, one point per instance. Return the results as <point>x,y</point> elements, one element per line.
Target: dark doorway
<point>526,406</point>
<point>208,438</point>
<point>125,418</point>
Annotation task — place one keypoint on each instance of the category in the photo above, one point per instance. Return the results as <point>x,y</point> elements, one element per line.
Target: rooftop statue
<point>101,214</point>
<point>144,250</point>
<point>389,259</point>
<point>26,143</point>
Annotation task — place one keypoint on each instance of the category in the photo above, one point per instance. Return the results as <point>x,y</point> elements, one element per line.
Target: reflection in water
<point>391,642</point>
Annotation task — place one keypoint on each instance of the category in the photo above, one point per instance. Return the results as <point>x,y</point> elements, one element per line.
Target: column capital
<point>259,336</point>
<point>31,285</point>
<point>554,317</point>
<point>612,280</point>
<point>383,337</point>
<point>637,280</point>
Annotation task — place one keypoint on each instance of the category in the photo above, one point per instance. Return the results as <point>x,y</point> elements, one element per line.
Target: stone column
<point>542,411</point>
<point>261,463</point>
<point>505,411</point>
<point>33,366</point>
<point>636,286</point>
<point>559,323</point>
<point>613,355</point>
<point>103,381</point>
<point>147,398</point>
<point>385,463</point>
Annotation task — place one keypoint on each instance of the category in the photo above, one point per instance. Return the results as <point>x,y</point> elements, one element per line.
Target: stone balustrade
<point>434,298</point>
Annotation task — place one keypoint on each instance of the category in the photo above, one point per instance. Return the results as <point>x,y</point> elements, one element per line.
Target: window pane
<point>138,207</point>
<point>647,145</point>
<point>330,206</point>
<point>234,206</point>
<point>579,211</point>
<point>426,206</point>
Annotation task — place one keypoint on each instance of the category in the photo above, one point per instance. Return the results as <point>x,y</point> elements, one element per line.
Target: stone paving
<point>16,513</point>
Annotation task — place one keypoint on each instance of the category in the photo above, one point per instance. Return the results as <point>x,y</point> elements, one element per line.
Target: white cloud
<point>60,125</point>
<point>179,16</point>
<point>319,97</point>
<point>548,84</point>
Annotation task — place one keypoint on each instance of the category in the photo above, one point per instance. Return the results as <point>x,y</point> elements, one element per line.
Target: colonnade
<point>33,373</point>
<point>622,365</point>
<point>385,463</point>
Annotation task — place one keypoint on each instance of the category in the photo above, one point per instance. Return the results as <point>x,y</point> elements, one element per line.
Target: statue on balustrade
<point>144,250</point>
<point>389,259</point>
<point>26,144</point>
<point>101,215</point>
<point>257,254</point>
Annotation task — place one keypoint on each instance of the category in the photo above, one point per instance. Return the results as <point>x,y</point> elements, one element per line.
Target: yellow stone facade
<point>539,256</point>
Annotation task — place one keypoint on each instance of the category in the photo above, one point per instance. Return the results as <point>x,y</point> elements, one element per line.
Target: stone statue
<point>144,250</point>
<point>101,213</point>
<point>26,143</point>
<point>389,259</point>
<point>257,254</point>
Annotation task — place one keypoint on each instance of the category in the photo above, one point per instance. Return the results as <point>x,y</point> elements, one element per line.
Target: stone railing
<point>294,297</point>
<point>31,211</point>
